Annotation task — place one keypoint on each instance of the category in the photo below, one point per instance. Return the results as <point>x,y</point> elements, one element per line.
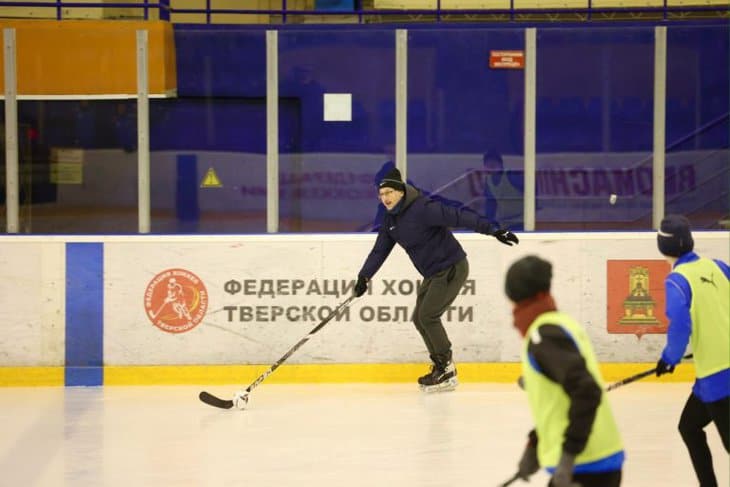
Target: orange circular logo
<point>176,300</point>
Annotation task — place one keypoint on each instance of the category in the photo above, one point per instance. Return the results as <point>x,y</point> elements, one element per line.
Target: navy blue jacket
<point>422,227</point>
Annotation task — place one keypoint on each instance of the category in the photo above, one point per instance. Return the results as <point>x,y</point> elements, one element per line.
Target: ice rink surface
<point>343,435</point>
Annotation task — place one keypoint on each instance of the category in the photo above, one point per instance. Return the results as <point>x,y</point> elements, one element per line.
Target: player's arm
<point>678,299</point>
<point>384,244</point>
<point>724,267</point>
<point>557,357</point>
<point>437,214</point>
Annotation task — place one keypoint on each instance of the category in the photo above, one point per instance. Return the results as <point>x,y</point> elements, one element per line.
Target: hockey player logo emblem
<point>176,300</point>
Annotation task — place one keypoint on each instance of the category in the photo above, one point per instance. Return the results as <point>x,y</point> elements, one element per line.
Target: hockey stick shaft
<point>214,401</point>
<point>510,481</point>
<point>301,342</point>
<point>638,376</point>
<point>217,402</point>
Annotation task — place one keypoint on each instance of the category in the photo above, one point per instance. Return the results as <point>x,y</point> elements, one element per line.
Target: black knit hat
<point>392,179</point>
<point>675,237</point>
<point>527,277</point>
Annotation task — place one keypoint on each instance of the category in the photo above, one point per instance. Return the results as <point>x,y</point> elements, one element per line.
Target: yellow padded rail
<point>242,375</point>
<point>31,376</point>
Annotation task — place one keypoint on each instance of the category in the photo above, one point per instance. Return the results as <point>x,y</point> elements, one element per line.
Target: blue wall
<point>578,67</point>
<point>222,89</point>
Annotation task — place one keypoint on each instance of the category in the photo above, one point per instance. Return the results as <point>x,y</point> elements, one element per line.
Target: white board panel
<point>32,312</point>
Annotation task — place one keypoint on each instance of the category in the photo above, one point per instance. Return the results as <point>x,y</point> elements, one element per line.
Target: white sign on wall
<point>337,107</point>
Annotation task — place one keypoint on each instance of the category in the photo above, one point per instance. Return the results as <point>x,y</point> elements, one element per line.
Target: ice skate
<point>442,378</point>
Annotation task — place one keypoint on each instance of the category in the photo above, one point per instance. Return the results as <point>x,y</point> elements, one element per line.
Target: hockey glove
<point>506,237</point>
<point>663,368</point>
<point>528,463</point>
<point>563,476</point>
<point>361,286</point>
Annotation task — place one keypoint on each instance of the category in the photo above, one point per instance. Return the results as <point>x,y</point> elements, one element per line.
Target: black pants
<point>605,479</point>
<point>695,416</point>
<point>434,297</point>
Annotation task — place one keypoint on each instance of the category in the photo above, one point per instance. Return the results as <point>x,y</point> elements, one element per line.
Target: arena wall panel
<point>211,309</point>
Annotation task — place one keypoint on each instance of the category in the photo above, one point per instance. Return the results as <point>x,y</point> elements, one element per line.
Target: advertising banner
<point>247,300</point>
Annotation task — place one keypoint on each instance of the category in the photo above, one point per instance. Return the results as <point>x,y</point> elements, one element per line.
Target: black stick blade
<point>216,402</point>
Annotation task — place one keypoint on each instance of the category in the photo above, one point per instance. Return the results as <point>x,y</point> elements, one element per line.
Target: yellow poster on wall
<point>67,173</point>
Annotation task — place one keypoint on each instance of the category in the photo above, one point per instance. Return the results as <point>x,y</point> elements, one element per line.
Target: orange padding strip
<point>89,57</point>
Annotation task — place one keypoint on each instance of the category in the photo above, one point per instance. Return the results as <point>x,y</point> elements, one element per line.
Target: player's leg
<point>442,290</point>
<point>436,362</point>
<point>416,317</point>
<point>692,422</point>
<point>720,414</point>
<point>603,479</point>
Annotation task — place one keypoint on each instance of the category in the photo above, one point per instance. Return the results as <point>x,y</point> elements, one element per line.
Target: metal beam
<point>12,197</point>
<point>143,134</point>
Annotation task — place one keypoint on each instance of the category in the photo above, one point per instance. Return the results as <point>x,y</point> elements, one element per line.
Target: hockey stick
<point>638,376</point>
<point>622,382</point>
<point>510,481</point>
<point>242,396</point>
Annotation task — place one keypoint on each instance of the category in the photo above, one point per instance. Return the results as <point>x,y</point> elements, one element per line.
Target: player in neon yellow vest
<point>575,437</point>
<point>698,308</point>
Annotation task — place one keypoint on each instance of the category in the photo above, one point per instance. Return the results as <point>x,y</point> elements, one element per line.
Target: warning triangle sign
<point>211,180</point>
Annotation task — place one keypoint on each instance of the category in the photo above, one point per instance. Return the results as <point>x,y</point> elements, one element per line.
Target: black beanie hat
<point>527,277</point>
<point>393,180</point>
<point>675,237</point>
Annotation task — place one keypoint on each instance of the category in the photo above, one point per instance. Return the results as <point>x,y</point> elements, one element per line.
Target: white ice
<point>342,435</point>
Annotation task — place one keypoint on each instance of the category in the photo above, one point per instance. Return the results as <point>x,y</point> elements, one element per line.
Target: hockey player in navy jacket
<point>422,226</point>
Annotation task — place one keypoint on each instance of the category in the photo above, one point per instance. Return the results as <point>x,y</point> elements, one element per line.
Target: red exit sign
<point>507,59</point>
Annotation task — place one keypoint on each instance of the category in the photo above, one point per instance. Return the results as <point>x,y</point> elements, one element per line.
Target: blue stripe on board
<point>84,314</point>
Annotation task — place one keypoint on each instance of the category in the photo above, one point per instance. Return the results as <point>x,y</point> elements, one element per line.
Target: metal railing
<point>437,14</point>
<point>163,7</point>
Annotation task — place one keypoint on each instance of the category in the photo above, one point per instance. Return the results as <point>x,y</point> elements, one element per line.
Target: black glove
<point>506,237</point>
<point>563,475</point>
<point>528,463</point>
<point>361,286</point>
<point>663,368</point>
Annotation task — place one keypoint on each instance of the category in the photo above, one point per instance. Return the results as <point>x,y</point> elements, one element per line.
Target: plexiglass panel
<point>77,132</point>
<point>594,128</point>
<point>698,133</point>
<point>337,86</point>
<point>78,166</point>
<point>465,120</point>
<point>208,145</point>
<point>340,86</point>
